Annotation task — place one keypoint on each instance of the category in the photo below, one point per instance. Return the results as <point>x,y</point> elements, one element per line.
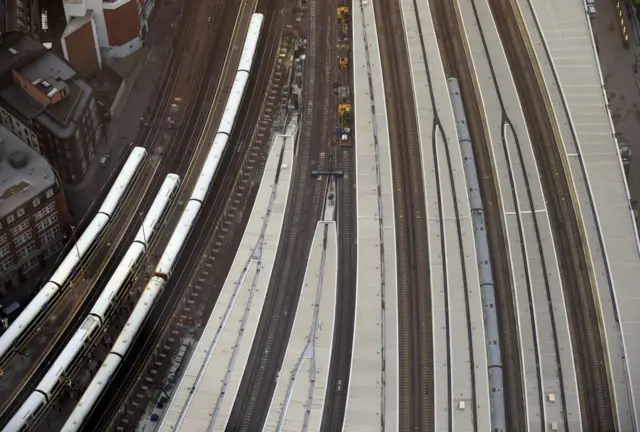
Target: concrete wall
<point>123,23</point>
<point>81,50</point>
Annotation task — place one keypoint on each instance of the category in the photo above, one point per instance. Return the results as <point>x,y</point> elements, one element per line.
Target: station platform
<point>563,43</point>
<point>205,395</point>
<point>372,396</point>
<point>460,359</point>
<point>545,343</point>
<point>299,397</point>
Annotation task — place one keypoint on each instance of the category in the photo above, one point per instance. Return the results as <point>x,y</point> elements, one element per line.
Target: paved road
<point>622,80</point>
<point>125,125</point>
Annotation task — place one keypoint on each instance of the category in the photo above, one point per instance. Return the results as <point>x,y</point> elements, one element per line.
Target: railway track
<point>596,408</point>
<point>258,383</point>
<point>94,272</point>
<point>180,155</point>
<point>455,61</point>
<point>113,399</point>
<point>345,307</point>
<point>336,397</point>
<point>164,318</point>
<point>416,384</point>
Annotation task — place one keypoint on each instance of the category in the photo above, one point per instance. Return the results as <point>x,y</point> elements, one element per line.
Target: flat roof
<point>299,396</point>
<point>372,395</point>
<point>24,174</point>
<point>24,47</point>
<point>547,366</point>
<point>37,64</point>
<point>592,156</point>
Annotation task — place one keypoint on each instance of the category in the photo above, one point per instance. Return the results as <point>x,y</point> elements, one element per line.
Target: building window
<point>3,238</point>
<point>20,212</point>
<point>53,250</point>
<point>47,222</point>
<point>45,211</point>
<point>30,265</point>
<point>10,219</point>
<point>49,193</point>
<point>36,202</point>
<point>25,251</point>
<point>4,251</point>
<point>19,228</point>
<point>51,234</point>
<point>22,239</point>
<point>4,265</point>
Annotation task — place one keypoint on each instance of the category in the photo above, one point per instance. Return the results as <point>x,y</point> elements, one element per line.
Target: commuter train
<point>121,279</point>
<point>172,252</point>
<point>83,247</point>
<point>492,332</point>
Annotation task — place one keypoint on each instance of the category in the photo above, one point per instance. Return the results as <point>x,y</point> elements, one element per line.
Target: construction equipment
<point>343,133</point>
<point>343,21</point>
<point>344,114</point>
<point>344,63</point>
<point>343,14</point>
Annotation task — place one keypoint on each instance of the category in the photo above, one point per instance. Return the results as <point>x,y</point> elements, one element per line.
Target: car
<point>104,160</point>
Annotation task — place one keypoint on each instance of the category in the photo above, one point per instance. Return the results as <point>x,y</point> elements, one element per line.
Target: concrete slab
<point>563,43</point>
<point>459,340</point>
<point>535,274</point>
<point>299,397</point>
<point>205,395</point>
<point>372,401</point>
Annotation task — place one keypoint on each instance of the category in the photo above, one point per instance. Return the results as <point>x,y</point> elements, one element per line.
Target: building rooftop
<point>48,72</point>
<point>24,174</point>
<point>17,48</point>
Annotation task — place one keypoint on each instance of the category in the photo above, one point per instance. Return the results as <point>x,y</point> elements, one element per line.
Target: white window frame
<point>10,219</point>
<point>36,202</point>
<point>49,193</point>
<point>20,212</point>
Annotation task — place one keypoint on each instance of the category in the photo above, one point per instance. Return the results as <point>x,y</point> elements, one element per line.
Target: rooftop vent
<point>18,160</point>
<point>13,51</point>
<point>45,84</point>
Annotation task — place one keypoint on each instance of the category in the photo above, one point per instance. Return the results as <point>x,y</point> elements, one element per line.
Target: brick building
<point>33,211</point>
<point>46,103</point>
<point>103,29</point>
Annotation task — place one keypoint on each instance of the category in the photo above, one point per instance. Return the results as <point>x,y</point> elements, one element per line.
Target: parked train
<point>492,332</point>
<point>83,247</point>
<point>178,239</point>
<point>121,279</point>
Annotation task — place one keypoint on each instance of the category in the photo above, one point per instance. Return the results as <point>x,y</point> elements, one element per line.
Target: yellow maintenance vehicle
<point>343,133</point>
<point>344,62</point>
<point>344,114</point>
<point>343,22</point>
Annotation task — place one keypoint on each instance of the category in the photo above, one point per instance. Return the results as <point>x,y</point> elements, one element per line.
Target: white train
<point>84,337</point>
<point>79,252</point>
<point>188,219</point>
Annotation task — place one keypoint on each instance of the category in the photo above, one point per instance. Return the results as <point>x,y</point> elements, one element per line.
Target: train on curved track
<point>60,279</point>
<point>109,299</point>
<point>172,252</point>
<point>491,329</point>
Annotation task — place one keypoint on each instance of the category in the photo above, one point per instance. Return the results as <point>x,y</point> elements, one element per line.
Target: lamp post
<point>75,240</point>
<point>146,244</point>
